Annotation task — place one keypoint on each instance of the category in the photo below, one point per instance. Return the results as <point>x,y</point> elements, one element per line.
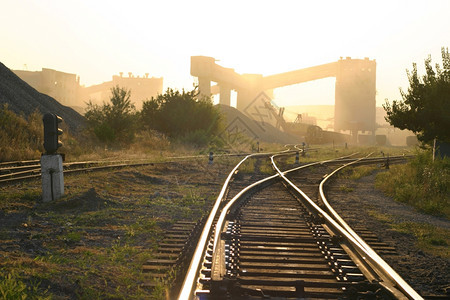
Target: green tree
<point>425,109</point>
<point>114,122</point>
<point>182,115</point>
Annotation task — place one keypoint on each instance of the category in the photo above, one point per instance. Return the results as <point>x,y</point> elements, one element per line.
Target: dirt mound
<point>88,201</point>
<point>23,100</point>
<point>237,121</point>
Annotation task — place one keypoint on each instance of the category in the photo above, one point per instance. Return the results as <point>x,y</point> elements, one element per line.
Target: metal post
<point>211,158</point>
<point>296,157</point>
<point>387,162</point>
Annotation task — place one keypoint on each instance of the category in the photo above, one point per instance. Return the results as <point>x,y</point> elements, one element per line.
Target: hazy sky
<point>97,39</point>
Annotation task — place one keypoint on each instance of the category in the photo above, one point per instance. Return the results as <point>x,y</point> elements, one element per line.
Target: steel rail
<point>186,291</point>
<point>221,220</point>
<point>384,267</point>
<point>15,169</point>
<point>20,173</point>
<point>372,160</point>
<point>36,172</point>
<point>189,281</point>
<point>367,255</point>
<point>18,163</point>
<point>248,188</point>
<point>71,171</point>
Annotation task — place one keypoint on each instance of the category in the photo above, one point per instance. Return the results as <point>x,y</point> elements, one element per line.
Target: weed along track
<point>266,238</point>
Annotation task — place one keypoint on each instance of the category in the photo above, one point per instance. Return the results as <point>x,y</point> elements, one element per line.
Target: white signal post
<point>52,177</point>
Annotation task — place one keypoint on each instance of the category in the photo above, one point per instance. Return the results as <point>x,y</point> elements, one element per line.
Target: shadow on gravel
<point>137,176</point>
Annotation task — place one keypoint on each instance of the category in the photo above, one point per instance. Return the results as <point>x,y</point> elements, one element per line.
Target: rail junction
<point>266,238</point>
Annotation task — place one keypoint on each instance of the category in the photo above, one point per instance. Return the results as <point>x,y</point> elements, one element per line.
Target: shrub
<point>20,138</point>
<point>181,115</point>
<point>114,122</point>
<point>421,183</point>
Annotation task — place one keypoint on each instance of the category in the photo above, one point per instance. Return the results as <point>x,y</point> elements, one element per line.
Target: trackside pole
<point>52,177</point>
<point>211,158</point>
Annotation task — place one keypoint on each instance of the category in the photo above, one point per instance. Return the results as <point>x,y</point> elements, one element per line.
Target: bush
<point>181,115</point>
<point>421,183</point>
<point>198,138</point>
<point>115,122</point>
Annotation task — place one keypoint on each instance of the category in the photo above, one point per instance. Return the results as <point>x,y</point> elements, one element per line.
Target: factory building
<point>66,88</point>
<point>142,88</point>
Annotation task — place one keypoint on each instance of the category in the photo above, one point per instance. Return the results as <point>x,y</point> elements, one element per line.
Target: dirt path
<point>426,273</point>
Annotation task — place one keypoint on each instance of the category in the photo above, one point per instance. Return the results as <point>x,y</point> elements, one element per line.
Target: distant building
<point>141,88</point>
<point>66,89</point>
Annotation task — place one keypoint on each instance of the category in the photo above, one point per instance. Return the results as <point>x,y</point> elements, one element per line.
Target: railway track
<point>265,238</point>
<point>18,171</point>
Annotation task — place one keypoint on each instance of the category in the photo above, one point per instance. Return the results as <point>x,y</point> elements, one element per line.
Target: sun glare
<point>259,37</point>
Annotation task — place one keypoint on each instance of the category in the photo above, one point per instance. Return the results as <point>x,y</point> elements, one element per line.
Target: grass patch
<point>421,183</point>
<point>345,189</point>
<point>14,287</point>
<point>355,173</point>
<point>92,243</point>
<point>21,197</point>
<point>381,217</point>
<point>248,166</point>
<point>266,167</point>
<point>430,239</point>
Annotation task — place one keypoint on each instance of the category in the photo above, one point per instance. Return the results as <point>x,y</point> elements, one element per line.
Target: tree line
<point>178,115</point>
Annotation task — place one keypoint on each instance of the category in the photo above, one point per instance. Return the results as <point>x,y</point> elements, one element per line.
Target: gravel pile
<point>23,100</point>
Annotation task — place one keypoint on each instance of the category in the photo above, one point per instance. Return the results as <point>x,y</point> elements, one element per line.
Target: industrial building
<point>66,88</point>
<point>142,88</point>
<point>354,91</point>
